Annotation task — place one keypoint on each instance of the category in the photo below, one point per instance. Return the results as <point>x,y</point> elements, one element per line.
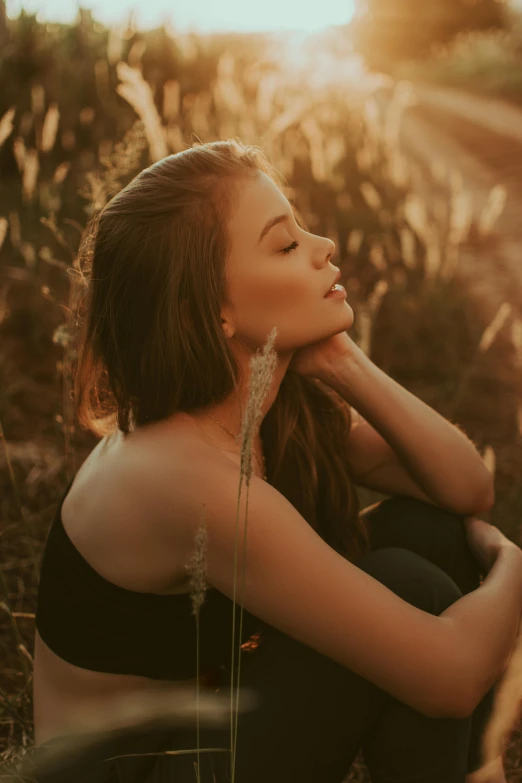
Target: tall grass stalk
<point>123,160</point>
<point>136,91</point>
<point>487,339</point>
<point>30,537</point>
<point>196,568</point>
<point>493,210</point>
<point>3,230</point>
<point>19,152</point>
<point>7,124</point>
<point>50,128</point>
<point>30,174</point>
<point>14,627</point>
<point>27,524</point>
<point>262,370</point>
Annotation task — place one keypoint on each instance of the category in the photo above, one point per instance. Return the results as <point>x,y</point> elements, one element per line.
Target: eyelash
<point>291,247</point>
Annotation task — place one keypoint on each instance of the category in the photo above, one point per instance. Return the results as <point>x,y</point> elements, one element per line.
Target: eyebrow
<point>272,222</point>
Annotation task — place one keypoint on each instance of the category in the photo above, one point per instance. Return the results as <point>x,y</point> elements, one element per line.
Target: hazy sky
<point>202,15</point>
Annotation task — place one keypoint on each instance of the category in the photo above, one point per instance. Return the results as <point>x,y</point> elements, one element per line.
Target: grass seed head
<point>196,566</point>
<point>262,372</point>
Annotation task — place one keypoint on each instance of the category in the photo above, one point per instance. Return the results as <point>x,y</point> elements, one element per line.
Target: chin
<point>348,312</point>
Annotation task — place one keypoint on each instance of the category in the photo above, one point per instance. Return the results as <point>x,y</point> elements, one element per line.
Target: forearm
<point>442,460</point>
<point>487,620</point>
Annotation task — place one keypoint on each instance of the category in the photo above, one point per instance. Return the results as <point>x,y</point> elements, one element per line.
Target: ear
<point>227,328</point>
<point>226,322</point>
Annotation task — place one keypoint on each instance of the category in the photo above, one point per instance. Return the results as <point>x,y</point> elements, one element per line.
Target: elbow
<point>486,499</point>
<point>444,705</point>
<point>452,709</point>
<point>449,708</point>
<point>482,502</point>
<point>462,708</point>
<point>466,708</point>
<point>476,695</point>
<point>456,698</point>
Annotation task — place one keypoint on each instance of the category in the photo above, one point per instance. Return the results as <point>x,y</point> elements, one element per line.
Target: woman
<point>191,265</point>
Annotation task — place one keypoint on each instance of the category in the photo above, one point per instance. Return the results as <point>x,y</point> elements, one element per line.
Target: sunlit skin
<point>281,281</point>
<point>268,287</point>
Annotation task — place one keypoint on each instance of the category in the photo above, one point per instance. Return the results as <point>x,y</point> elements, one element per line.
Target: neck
<point>231,446</point>
<point>224,428</point>
<point>230,411</point>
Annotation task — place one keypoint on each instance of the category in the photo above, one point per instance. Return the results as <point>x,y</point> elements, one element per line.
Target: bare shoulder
<point>130,471</point>
<point>164,473</point>
<point>123,512</point>
<point>182,473</point>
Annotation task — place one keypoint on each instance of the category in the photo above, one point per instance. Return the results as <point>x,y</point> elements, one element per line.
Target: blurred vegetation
<point>489,63</point>
<point>82,110</point>
<point>390,31</point>
<point>472,46</point>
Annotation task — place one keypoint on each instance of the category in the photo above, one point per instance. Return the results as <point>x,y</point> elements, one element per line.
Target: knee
<point>413,578</point>
<point>430,531</point>
<point>414,508</point>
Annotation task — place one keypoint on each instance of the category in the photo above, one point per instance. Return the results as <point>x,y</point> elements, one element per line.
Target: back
<point>300,585</point>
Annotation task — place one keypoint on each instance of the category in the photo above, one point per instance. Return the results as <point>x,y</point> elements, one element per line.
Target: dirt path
<point>481,138</point>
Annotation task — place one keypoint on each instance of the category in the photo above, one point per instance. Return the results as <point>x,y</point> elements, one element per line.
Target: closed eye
<point>300,222</point>
<point>291,247</point>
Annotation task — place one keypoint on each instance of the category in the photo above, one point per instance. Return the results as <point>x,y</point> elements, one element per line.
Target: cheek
<point>292,304</point>
<point>286,292</point>
<point>285,303</point>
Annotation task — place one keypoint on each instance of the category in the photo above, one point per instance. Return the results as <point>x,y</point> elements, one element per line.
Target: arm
<point>376,466</point>
<point>300,585</point>
<point>442,461</point>
<point>487,620</point>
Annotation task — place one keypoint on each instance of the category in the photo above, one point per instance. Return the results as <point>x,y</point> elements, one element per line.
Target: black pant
<point>314,714</point>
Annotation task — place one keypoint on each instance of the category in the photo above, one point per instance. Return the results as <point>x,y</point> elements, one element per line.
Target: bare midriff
<point>68,698</point>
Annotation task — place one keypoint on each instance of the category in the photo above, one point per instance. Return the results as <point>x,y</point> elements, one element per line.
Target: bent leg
<point>432,532</point>
<point>440,537</point>
<point>314,715</point>
<point>403,744</point>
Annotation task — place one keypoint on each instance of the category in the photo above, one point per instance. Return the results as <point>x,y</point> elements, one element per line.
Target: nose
<point>330,250</point>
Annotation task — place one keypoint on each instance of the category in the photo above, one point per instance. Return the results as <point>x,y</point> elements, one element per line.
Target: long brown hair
<point>152,343</point>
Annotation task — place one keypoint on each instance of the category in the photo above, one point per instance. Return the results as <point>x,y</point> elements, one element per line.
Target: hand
<point>485,540</point>
<point>316,359</point>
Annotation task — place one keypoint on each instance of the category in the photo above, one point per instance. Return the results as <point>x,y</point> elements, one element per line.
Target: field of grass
<point>67,145</point>
<point>487,63</point>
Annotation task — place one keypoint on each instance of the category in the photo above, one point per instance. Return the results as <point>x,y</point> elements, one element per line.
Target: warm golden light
<point>201,16</point>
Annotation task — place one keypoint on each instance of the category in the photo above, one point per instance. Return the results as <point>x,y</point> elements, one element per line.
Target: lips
<point>335,280</point>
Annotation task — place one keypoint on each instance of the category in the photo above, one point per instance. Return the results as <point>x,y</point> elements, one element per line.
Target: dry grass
<point>410,246</point>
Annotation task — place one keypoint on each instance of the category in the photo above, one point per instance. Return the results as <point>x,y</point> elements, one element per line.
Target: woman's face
<point>279,276</point>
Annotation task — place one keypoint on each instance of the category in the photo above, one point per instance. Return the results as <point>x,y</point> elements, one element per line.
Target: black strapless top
<point>95,624</point>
